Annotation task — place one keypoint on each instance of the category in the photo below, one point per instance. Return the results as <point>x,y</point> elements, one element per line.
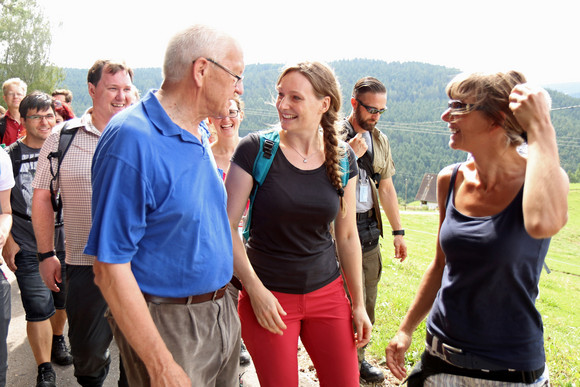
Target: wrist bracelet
<point>42,256</point>
<point>399,232</point>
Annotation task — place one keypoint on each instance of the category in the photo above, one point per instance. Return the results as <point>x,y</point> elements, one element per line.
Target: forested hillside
<point>416,99</point>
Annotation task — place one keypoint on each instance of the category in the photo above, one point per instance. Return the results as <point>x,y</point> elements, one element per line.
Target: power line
<point>425,127</point>
<point>565,107</point>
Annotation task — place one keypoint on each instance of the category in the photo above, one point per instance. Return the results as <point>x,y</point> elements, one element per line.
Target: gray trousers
<point>204,340</point>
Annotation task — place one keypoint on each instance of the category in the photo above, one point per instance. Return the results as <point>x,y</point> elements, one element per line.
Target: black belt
<point>365,215</point>
<point>197,299</point>
<point>471,365</point>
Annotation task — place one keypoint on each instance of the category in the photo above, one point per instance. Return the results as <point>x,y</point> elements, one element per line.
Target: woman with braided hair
<point>289,269</point>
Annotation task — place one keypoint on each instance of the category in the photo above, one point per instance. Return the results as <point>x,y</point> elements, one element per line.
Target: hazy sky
<point>539,38</point>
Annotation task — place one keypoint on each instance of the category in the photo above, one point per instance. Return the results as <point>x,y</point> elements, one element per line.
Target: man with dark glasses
<point>374,185</point>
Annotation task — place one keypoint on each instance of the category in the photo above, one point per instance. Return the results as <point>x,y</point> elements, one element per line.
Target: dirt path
<point>307,374</point>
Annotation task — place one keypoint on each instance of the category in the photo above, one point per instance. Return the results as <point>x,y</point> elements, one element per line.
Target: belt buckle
<point>449,352</point>
<point>434,349</point>
<point>443,351</point>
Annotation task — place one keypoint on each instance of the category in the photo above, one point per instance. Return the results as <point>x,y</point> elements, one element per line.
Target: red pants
<point>323,321</point>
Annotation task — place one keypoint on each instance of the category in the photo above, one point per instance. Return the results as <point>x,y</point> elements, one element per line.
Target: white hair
<point>190,44</point>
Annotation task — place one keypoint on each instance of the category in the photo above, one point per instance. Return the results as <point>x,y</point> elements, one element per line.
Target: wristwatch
<point>399,232</point>
<point>42,256</point>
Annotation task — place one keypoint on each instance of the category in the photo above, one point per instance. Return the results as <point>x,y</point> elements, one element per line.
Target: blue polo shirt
<point>160,203</point>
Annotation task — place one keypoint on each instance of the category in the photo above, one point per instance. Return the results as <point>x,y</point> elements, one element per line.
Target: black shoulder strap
<point>365,161</point>
<point>16,157</point>
<point>347,130</point>
<point>2,128</point>
<point>66,137</point>
<point>15,152</point>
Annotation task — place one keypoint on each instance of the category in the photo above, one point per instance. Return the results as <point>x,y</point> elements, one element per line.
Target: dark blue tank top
<point>486,303</point>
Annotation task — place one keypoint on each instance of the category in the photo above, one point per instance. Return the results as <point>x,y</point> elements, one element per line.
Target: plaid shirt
<point>75,186</point>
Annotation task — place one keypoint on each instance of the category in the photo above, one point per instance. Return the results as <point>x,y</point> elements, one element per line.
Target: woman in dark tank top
<point>498,211</point>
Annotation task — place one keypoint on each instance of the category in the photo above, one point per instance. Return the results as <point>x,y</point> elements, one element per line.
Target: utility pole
<point>405,193</point>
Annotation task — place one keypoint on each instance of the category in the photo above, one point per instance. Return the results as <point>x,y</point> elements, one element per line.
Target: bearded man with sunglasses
<point>374,185</point>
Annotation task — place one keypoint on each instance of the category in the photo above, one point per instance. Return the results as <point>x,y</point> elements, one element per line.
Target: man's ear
<point>199,70</point>
<point>92,90</point>
<point>353,102</point>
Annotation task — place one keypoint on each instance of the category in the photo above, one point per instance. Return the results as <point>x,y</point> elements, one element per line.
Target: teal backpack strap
<point>344,165</point>
<point>269,142</point>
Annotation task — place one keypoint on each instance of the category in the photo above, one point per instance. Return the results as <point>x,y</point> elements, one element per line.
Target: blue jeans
<point>4,322</point>
<point>39,302</point>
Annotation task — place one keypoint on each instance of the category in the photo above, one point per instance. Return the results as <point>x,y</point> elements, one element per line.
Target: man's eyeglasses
<point>370,109</point>
<point>12,94</point>
<point>239,78</point>
<point>38,117</point>
<point>232,114</point>
<point>457,105</point>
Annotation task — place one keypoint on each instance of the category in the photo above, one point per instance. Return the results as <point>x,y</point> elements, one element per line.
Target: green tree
<point>25,40</point>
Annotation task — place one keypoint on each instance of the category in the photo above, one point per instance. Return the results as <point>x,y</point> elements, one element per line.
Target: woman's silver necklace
<point>304,159</point>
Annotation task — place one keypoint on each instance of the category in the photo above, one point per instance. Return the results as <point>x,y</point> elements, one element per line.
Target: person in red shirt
<point>14,89</point>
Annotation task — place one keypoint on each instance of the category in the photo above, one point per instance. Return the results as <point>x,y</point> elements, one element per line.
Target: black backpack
<point>2,128</point>
<point>67,134</point>
<point>15,152</point>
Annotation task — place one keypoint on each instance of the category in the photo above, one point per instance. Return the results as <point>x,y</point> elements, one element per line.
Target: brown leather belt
<point>187,300</point>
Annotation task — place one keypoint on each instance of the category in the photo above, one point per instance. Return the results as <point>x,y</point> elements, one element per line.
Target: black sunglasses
<point>370,109</point>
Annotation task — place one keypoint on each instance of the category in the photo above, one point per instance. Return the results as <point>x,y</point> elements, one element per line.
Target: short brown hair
<point>68,95</point>
<point>111,67</point>
<point>368,85</point>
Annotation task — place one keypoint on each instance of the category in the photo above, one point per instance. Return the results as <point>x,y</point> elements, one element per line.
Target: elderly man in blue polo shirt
<point>160,229</point>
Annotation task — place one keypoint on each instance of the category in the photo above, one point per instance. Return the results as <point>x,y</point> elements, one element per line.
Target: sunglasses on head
<point>370,109</point>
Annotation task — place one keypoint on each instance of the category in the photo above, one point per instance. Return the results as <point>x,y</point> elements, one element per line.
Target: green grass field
<point>558,301</point>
